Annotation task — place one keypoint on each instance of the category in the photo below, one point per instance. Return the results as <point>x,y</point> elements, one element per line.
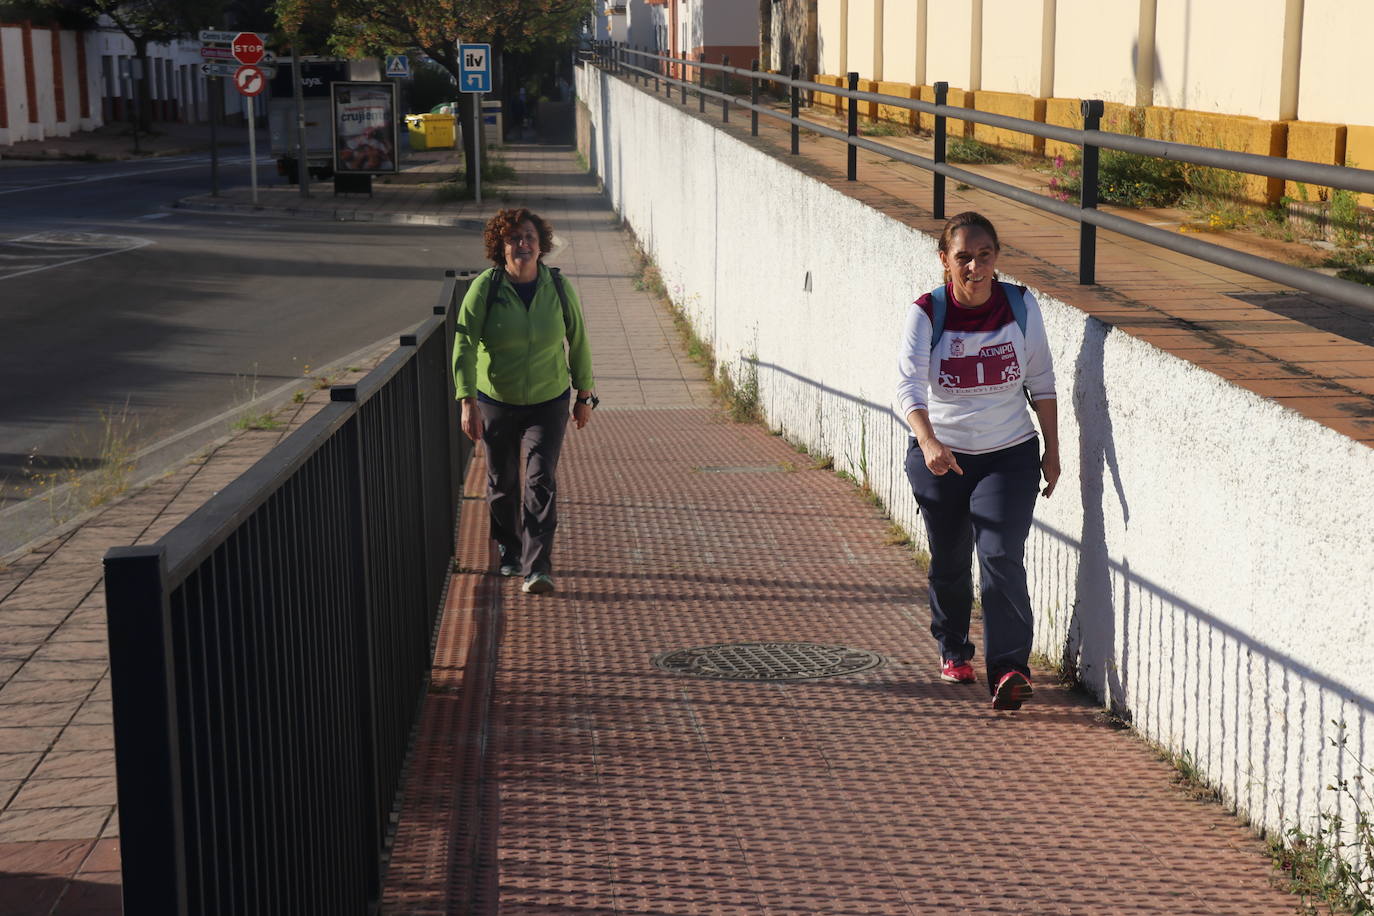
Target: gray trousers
<point>523,523</point>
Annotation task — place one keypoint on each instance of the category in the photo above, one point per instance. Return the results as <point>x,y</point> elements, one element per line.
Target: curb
<point>338,215</point>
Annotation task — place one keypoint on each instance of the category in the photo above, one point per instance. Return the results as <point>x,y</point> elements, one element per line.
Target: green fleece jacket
<point>515,354</point>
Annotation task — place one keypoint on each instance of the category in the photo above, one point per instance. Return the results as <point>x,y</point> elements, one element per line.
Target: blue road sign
<point>398,65</point>
<point>474,68</point>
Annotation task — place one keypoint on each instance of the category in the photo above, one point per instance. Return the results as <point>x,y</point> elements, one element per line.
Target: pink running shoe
<point>1012,690</point>
<point>957,672</point>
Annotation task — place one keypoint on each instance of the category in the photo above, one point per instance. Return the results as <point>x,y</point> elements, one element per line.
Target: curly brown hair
<point>503,225</point>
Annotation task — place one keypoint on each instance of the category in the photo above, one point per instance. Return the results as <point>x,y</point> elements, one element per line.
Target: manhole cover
<point>767,661</point>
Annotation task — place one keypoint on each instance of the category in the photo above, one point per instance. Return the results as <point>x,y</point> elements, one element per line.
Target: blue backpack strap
<point>939,305</point>
<point>1016,297</point>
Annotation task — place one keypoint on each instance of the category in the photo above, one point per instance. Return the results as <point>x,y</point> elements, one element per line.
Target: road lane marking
<point>65,248</point>
<point>131,173</point>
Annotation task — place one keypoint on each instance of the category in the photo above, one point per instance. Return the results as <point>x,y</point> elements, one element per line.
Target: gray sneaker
<point>509,570</point>
<point>537,584</point>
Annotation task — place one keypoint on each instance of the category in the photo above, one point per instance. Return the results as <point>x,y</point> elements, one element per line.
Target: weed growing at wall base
<point>1333,862</point>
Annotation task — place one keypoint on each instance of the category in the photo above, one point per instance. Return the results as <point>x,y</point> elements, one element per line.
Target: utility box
<point>495,121</point>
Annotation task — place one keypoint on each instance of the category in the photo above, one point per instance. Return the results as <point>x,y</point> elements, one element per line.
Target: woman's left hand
<point>1049,467</point>
<point>581,413</point>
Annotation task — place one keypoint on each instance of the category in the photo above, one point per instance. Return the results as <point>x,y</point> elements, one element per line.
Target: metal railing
<point>270,654</point>
<point>647,66</point>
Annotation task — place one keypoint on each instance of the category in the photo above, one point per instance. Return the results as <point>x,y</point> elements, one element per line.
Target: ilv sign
<point>474,75</point>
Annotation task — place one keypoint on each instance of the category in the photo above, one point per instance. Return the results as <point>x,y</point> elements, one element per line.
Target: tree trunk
<point>142,103</point>
<point>766,34</point>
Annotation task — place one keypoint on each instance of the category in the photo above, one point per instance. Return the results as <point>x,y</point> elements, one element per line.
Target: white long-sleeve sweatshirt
<point>971,381</point>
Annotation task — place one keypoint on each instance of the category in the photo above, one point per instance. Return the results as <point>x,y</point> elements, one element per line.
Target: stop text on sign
<point>248,47</point>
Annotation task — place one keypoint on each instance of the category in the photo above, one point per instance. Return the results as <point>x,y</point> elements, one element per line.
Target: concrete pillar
<point>877,39</point>
<point>1145,55</point>
<point>1048,25</point>
<point>844,37</point>
<point>975,57</point>
<point>1292,60</point>
<point>922,8</point>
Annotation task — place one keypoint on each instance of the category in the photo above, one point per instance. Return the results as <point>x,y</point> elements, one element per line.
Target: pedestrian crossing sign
<point>398,65</point>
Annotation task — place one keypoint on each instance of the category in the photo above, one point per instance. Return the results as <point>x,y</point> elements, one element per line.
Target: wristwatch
<point>591,400</point>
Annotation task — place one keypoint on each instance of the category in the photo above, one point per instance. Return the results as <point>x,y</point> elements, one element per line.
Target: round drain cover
<point>767,661</point>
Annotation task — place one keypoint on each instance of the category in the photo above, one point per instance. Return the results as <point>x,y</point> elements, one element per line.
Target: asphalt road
<point>121,314</point>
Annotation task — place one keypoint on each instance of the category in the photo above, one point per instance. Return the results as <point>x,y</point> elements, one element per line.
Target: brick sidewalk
<point>613,787</point>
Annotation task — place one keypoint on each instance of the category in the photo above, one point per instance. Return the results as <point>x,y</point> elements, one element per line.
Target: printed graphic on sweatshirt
<point>994,367</point>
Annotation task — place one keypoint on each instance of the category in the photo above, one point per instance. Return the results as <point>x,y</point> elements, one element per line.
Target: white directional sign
<point>229,68</point>
<point>398,65</point>
<point>474,67</point>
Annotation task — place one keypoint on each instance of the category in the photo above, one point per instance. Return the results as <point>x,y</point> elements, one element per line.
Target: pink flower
<point>1059,162</point>
<point>1054,182</point>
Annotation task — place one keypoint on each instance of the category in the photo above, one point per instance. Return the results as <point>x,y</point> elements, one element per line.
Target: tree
<point>372,27</point>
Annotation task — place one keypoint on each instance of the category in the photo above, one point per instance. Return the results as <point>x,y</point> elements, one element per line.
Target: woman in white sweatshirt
<point>972,353</point>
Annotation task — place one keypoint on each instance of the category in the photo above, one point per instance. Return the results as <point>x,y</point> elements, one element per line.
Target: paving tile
<point>18,765</point>
<point>85,738</point>
<point>75,764</point>
<point>36,714</point>
<point>36,669</point>
<point>66,793</point>
<point>38,691</point>
<point>18,739</point>
<point>53,823</point>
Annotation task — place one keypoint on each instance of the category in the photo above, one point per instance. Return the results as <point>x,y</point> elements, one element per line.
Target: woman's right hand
<point>939,459</point>
<point>472,420</point>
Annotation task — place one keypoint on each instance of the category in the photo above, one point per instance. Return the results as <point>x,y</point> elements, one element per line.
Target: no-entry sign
<point>249,80</point>
<point>248,47</point>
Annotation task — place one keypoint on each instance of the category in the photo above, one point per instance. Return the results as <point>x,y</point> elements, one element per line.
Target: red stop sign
<point>248,48</point>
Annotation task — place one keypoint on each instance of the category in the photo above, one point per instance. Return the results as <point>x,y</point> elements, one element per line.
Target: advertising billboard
<point>365,128</point>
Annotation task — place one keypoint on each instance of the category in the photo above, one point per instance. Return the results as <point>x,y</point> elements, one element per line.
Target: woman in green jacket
<point>519,349</point>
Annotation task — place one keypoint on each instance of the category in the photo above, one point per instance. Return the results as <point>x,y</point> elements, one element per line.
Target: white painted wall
<point>947,51</point>
<point>1213,57</point>
<point>828,24</point>
<point>1205,562</point>
<point>861,37</point>
<point>1095,50</point>
<point>899,41</point>
<point>1011,46</point>
<point>48,123</point>
<point>1335,69</point>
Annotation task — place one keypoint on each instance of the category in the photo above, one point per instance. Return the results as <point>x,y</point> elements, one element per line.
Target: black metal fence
<point>659,68</point>
<point>270,654</point>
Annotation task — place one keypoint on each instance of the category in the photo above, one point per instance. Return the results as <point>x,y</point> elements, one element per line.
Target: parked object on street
<point>317,75</point>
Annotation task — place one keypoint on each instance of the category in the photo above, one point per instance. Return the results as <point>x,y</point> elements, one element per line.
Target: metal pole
<point>253,148</point>
<point>853,126</point>
<point>796,108</point>
<point>1087,198</point>
<point>754,97</point>
<point>143,685</point>
<point>938,204</point>
<point>216,100</point>
<point>701,84</point>
<point>725,90</point>
<point>302,171</point>
<point>477,159</point>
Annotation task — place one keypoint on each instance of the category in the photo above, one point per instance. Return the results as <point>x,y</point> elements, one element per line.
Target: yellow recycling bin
<point>431,131</point>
